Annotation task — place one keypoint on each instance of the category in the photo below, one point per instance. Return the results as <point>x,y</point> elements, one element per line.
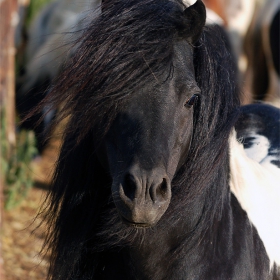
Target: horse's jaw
<point>135,225</point>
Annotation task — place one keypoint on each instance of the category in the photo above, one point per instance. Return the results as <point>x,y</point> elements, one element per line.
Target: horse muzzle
<point>142,197</point>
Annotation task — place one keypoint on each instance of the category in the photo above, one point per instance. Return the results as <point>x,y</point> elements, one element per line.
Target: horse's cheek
<point>180,147</point>
<point>185,139</point>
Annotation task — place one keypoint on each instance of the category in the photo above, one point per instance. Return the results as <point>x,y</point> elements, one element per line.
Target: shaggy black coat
<point>204,233</point>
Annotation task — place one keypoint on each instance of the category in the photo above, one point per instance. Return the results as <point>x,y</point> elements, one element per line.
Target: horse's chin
<point>136,225</point>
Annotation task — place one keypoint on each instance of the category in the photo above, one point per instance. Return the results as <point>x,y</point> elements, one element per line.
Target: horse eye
<point>191,101</point>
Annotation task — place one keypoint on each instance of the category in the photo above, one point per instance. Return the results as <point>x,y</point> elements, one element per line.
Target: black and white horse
<point>255,171</point>
<point>146,184</point>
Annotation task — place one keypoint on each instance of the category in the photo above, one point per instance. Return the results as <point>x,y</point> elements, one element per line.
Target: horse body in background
<point>142,185</point>
<point>57,17</point>
<point>236,16</point>
<point>50,39</point>
<point>262,49</point>
<point>255,171</point>
<point>253,28</point>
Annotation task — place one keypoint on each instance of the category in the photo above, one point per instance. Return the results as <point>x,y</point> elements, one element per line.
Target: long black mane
<point>130,44</point>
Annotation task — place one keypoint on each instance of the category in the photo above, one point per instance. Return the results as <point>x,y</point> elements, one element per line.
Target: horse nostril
<point>160,192</point>
<point>157,192</point>
<point>129,186</point>
<point>162,188</point>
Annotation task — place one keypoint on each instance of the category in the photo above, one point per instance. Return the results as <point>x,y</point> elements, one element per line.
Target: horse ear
<point>196,15</point>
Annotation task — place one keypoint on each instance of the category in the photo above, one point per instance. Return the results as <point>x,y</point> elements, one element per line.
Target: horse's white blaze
<point>257,188</point>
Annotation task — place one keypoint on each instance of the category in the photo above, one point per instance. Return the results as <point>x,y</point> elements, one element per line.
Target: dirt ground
<point>20,245</point>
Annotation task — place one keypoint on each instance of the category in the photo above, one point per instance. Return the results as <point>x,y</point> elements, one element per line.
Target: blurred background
<point>35,43</point>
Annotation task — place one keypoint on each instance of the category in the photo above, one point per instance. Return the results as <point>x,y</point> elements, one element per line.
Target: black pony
<point>141,187</point>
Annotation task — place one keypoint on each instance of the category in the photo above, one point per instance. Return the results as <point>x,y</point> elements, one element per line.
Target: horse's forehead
<point>183,51</point>
<point>165,88</point>
<point>183,62</point>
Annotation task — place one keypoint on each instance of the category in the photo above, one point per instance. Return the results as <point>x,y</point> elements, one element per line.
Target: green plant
<point>16,165</point>
<point>34,7</point>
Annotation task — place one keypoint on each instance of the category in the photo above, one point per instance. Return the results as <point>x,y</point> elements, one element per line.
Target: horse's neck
<point>225,253</point>
<point>229,242</point>
<point>156,257</point>
<point>189,244</point>
<point>180,248</point>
